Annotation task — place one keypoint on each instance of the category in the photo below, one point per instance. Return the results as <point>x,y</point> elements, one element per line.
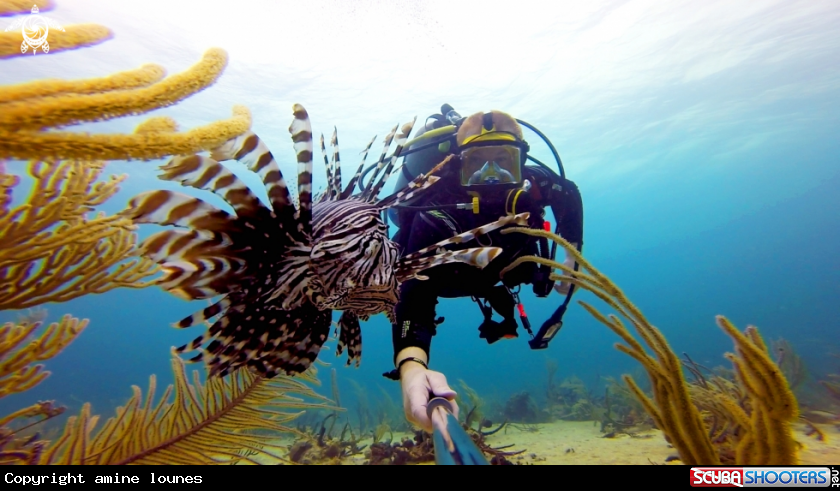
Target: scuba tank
<point>432,144</point>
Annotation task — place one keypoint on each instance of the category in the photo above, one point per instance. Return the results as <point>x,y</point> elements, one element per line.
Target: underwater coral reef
<point>52,250</point>
<point>759,413</point>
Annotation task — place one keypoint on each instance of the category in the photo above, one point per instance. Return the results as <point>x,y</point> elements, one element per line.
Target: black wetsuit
<point>415,313</point>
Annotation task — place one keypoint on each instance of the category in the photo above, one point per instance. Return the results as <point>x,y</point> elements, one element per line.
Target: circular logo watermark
<point>34,28</point>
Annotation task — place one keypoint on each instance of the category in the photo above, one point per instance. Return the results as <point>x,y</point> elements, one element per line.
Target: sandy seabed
<point>581,442</point>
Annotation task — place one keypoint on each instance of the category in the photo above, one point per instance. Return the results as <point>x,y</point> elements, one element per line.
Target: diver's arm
<point>415,311</point>
<point>567,205</point>
<point>412,336</point>
<point>415,326</point>
<point>415,318</point>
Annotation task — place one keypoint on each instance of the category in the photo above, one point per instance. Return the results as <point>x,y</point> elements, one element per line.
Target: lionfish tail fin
<point>301,131</point>
<point>401,138</point>
<point>350,337</point>
<point>520,219</point>
<point>358,175</point>
<point>478,256</point>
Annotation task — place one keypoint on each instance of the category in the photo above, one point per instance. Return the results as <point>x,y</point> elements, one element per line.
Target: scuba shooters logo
<point>738,477</point>
<point>34,28</point>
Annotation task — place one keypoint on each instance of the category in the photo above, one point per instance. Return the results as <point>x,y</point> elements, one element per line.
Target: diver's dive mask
<point>491,163</point>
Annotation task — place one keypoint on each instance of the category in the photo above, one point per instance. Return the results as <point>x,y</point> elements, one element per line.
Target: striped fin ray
<point>477,256</point>
<point>352,184</point>
<point>205,173</point>
<point>350,337</point>
<point>173,208</point>
<point>250,150</point>
<point>401,138</point>
<point>202,277</point>
<point>380,163</point>
<point>297,281</point>
<point>204,314</point>
<point>183,244</point>
<point>325,195</point>
<point>336,183</point>
<point>520,219</point>
<point>269,340</point>
<point>421,182</point>
<point>301,131</point>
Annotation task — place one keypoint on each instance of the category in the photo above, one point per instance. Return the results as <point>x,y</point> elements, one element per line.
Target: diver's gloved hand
<point>562,287</point>
<point>419,385</point>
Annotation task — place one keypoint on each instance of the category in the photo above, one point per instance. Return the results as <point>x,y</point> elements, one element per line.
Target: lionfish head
<point>353,257</point>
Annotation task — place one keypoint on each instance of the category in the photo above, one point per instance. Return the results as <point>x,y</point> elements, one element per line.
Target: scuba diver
<point>487,179</point>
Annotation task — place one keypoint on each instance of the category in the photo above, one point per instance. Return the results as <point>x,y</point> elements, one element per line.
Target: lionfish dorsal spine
<point>401,139</point>
<point>413,188</point>
<point>348,191</point>
<point>326,194</point>
<point>336,183</point>
<point>301,131</point>
<point>380,163</point>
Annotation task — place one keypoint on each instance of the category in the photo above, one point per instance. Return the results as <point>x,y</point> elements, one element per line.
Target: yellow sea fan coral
<point>765,420</point>
<point>19,350</point>
<point>141,77</point>
<point>30,112</point>
<point>23,6</point>
<point>73,37</point>
<point>203,423</point>
<point>52,251</point>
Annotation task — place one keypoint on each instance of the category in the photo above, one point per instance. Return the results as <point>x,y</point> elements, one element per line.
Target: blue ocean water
<point>703,140</point>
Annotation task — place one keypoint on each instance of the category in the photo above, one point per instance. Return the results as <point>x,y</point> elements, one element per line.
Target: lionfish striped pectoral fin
<point>205,173</point>
<point>271,341</point>
<point>350,337</point>
<point>201,258</point>
<point>520,219</point>
<point>414,263</point>
<point>479,257</point>
<point>251,151</point>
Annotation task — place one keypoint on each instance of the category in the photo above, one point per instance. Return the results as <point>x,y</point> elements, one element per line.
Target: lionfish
<point>283,269</point>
